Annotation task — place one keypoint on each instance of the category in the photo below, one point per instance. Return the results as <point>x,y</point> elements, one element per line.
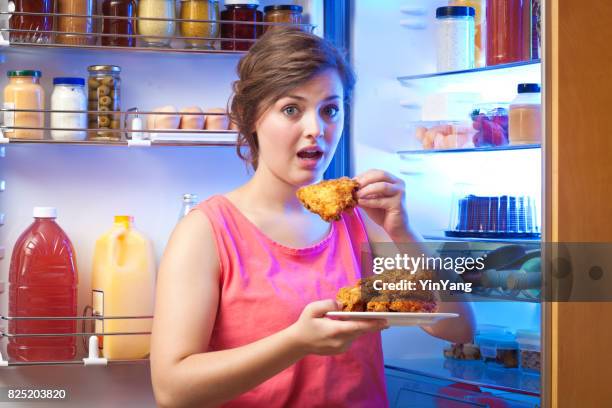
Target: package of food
<point>443,135</point>
<point>462,351</point>
<point>490,123</point>
<point>497,345</point>
<point>529,350</point>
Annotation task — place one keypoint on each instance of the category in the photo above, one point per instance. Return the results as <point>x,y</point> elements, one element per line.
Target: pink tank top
<point>263,288</point>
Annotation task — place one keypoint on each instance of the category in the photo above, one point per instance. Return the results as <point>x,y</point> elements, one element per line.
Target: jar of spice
<point>161,31</point>
<point>68,95</point>
<point>24,92</point>
<point>34,26</point>
<point>199,10</point>
<point>287,14</point>
<point>455,38</point>
<point>68,24</point>
<point>243,12</point>
<point>104,95</point>
<point>123,27</point>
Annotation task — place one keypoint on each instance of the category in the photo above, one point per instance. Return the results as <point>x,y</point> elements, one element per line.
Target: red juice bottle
<point>508,31</point>
<point>43,283</point>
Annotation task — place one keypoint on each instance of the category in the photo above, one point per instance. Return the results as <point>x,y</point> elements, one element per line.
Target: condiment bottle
<point>285,13</point>
<point>104,85</point>
<point>69,24</point>
<point>125,27</point>
<point>37,26</point>
<point>24,92</point>
<point>508,31</point>
<point>68,95</point>
<point>525,118</point>
<point>189,201</point>
<point>246,12</point>
<point>199,10</point>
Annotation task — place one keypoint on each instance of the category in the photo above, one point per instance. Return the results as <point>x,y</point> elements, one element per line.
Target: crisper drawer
<point>407,390</point>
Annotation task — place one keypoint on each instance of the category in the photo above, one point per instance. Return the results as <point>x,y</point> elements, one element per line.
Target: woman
<point>247,277</point>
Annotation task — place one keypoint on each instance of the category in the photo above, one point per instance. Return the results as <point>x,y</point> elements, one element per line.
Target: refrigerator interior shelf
<point>68,362</point>
<point>408,79</point>
<point>200,139</point>
<point>403,153</point>
<point>442,237</point>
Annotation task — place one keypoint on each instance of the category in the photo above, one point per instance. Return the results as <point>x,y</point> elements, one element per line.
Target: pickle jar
<point>284,14</point>
<point>104,96</point>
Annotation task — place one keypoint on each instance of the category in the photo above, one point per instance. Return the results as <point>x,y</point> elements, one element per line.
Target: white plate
<point>395,318</point>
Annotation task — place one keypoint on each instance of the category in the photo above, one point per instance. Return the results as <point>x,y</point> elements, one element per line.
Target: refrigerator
<point>391,45</point>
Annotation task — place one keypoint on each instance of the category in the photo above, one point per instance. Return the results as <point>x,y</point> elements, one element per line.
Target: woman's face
<point>299,133</point>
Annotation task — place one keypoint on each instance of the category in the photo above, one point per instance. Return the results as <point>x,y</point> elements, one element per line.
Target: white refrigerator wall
<point>397,38</point>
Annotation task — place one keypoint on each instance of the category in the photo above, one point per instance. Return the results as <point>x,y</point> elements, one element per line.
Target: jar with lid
<point>24,92</point>
<point>69,24</point>
<point>36,25</point>
<point>122,27</point>
<point>508,31</point>
<point>104,95</point>
<point>286,14</point>
<point>525,118</point>
<point>68,95</point>
<point>161,31</point>
<point>455,38</point>
<point>245,13</point>
<point>479,28</point>
<point>199,10</point>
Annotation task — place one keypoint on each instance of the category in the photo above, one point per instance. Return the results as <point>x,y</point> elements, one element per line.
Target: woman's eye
<point>291,110</point>
<point>331,111</point>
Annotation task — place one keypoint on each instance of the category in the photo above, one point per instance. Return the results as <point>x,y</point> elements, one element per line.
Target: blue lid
<point>68,81</point>
<point>528,88</point>
<point>455,11</point>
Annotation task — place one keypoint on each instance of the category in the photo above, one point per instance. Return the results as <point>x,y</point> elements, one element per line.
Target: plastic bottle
<point>189,201</point>
<point>43,283</point>
<point>479,24</point>
<point>123,284</point>
<point>525,118</point>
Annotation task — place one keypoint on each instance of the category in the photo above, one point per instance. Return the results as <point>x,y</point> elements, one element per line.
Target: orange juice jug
<point>43,283</point>
<point>123,284</point>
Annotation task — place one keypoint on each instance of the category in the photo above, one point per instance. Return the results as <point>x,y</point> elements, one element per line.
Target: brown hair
<point>279,61</point>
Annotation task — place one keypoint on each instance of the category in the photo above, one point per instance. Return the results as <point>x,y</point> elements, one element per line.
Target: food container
<point>161,31</point>
<point>443,134</point>
<point>462,351</point>
<point>69,24</point>
<point>24,92</point>
<point>122,27</point>
<point>35,27</point>
<point>497,345</point>
<point>199,10</point>
<point>455,38</point>
<point>503,216</point>
<point>508,31</point>
<point>244,11</point>
<point>68,95</point>
<point>287,14</point>
<point>525,125</point>
<point>479,25</point>
<point>529,350</point>
<point>490,122</point>
<point>104,95</point>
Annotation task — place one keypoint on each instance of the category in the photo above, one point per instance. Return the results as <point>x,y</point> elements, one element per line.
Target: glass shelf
<point>472,149</point>
<point>442,237</point>
<point>470,372</point>
<point>406,80</point>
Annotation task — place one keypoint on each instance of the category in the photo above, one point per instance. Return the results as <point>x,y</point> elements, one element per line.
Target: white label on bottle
<point>9,117</point>
<point>98,310</point>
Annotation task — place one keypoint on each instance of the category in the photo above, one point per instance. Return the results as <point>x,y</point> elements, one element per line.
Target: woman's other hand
<point>382,196</point>
<point>316,334</point>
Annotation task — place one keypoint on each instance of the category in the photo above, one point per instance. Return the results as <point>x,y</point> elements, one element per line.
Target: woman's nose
<point>314,125</point>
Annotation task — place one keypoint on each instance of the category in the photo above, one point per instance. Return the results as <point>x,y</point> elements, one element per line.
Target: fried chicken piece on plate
<point>329,198</point>
<point>351,298</point>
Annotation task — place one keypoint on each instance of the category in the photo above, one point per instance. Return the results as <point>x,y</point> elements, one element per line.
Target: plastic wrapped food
<point>490,121</point>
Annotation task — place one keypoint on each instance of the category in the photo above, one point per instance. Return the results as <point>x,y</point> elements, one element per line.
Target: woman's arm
<point>183,373</point>
<point>381,198</point>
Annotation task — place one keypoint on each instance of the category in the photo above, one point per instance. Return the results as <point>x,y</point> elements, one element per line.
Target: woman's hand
<point>382,196</point>
<point>316,334</point>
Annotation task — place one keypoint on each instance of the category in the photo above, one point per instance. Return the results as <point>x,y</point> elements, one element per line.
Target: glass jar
<point>161,31</point>
<point>479,28</point>
<point>455,38</point>
<point>189,202</point>
<point>24,92</point>
<point>68,24</point>
<point>121,27</point>
<point>508,31</point>
<point>244,11</point>
<point>104,95</point>
<point>199,10</point>
<point>68,95</point>
<point>36,25</point>
<point>525,118</point>
<point>288,14</point>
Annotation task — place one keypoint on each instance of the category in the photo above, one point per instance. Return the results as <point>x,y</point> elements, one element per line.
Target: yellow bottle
<point>123,284</point>
<point>479,24</point>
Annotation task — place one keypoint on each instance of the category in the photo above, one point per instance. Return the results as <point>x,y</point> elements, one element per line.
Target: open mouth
<point>310,153</point>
